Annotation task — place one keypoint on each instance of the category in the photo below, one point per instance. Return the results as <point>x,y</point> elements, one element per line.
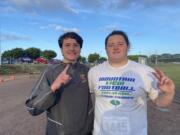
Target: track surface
<point>15,120</point>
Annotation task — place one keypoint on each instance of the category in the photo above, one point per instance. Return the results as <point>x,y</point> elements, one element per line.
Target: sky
<point>153,26</point>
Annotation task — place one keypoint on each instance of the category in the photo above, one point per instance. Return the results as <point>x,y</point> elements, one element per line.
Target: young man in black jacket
<point>62,91</point>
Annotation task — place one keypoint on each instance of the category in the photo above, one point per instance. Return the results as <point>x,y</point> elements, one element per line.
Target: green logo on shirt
<point>115,102</point>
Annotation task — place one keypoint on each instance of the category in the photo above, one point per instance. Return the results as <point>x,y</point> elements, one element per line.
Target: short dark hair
<point>72,35</point>
<point>118,32</point>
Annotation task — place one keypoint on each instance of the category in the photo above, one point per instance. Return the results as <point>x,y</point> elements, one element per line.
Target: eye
<point>120,44</point>
<point>76,45</point>
<point>110,45</point>
<point>67,45</point>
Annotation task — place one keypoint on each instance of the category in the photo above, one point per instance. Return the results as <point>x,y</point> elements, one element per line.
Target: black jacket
<point>69,110</point>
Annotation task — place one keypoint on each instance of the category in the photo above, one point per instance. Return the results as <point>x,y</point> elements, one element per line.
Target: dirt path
<point>15,120</point>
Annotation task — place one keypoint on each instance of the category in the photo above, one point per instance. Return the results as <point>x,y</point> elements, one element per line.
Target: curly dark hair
<point>72,35</point>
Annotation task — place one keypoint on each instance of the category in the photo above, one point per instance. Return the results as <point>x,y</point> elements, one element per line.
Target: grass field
<point>173,71</point>
<point>21,68</point>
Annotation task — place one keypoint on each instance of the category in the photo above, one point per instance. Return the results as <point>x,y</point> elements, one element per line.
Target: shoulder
<point>140,67</point>
<point>98,67</point>
<point>83,67</point>
<point>54,66</point>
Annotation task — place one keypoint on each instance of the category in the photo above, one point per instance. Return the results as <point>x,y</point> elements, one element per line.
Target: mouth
<point>117,52</point>
<point>72,53</point>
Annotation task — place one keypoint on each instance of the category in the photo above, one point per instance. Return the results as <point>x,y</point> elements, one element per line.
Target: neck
<point>69,61</point>
<point>118,63</point>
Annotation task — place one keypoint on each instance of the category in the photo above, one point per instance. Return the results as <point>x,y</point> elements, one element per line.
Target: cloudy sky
<point>153,26</point>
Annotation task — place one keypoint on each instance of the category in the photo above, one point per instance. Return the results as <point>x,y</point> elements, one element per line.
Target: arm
<point>42,97</point>
<point>167,89</point>
<point>44,94</point>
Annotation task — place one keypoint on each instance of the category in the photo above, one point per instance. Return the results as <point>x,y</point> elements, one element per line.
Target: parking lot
<point>15,120</point>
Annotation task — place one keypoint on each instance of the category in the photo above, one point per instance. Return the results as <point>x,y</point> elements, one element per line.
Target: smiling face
<point>116,49</point>
<point>70,50</point>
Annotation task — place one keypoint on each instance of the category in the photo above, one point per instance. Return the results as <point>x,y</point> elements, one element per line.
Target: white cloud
<point>78,6</point>
<point>84,11</point>
<point>13,37</point>
<point>126,4</point>
<point>110,27</point>
<point>7,9</point>
<point>57,27</point>
<point>51,6</point>
<point>94,4</point>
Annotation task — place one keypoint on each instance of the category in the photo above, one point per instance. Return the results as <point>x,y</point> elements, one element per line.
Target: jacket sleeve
<point>42,97</point>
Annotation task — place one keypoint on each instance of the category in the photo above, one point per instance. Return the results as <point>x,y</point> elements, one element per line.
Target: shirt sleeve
<point>90,81</point>
<point>42,97</point>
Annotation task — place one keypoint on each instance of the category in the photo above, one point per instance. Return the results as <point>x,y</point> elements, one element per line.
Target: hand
<point>62,79</point>
<point>165,84</point>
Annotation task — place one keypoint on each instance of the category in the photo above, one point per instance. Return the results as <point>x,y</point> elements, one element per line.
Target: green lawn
<point>173,71</point>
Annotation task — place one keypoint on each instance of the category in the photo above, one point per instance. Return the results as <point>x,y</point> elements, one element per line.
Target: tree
<point>7,54</point>
<point>82,59</point>
<point>133,57</point>
<point>176,56</point>
<point>17,53</point>
<point>166,55</point>
<point>49,54</point>
<point>102,59</point>
<point>33,52</point>
<point>93,57</point>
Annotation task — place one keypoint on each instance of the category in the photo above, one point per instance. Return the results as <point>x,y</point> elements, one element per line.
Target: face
<point>116,49</point>
<point>70,50</point>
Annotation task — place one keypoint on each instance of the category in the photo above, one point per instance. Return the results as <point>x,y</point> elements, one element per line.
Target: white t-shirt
<point>121,98</point>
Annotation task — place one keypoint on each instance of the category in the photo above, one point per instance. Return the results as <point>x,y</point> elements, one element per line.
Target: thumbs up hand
<point>62,79</point>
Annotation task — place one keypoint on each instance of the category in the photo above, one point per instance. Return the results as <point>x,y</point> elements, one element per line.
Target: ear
<point>106,50</point>
<point>62,51</point>
<point>128,48</point>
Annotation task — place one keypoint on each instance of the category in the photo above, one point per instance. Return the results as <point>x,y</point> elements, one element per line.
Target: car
<point>41,60</point>
<point>54,61</point>
<point>26,60</point>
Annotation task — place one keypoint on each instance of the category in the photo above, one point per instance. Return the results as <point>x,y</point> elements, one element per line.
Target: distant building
<point>25,60</point>
<point>142,60</point>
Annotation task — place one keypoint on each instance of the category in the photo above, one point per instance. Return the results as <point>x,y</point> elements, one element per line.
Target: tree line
<point>34,53</point>
<point>165,58</point>
<point>31,52</point>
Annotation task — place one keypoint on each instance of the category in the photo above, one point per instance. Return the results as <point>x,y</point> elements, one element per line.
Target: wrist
<point>53,88</point>
<point>170,93</point>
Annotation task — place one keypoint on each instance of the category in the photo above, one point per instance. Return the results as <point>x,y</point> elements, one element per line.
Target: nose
<point>72,48</point>
<point>115,47</point>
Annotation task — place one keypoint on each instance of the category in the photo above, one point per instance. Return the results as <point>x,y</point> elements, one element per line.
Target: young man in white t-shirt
<point>121,88</point>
